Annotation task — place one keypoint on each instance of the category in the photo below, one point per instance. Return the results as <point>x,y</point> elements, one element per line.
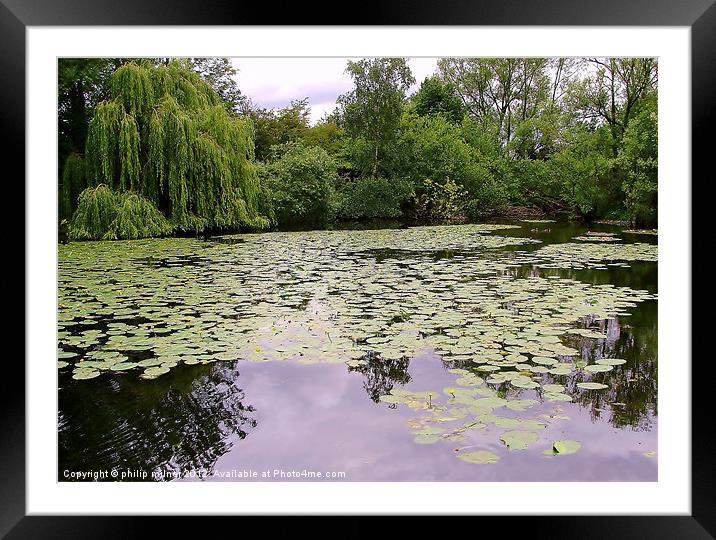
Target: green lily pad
<point>521,404</point>
<point>557,396</point>
<point>122,366</point>
<point>598,368</point>
<point>85,373</point>
<point>480,457</point>
<point>591,386</point>
<point>611,361</point>
<point>426,439</point>
<point>519,440</point>
<point>562,448</point>
<point>153,372</point>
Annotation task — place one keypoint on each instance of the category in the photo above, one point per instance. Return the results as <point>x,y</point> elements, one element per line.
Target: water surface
<point>283,351</point>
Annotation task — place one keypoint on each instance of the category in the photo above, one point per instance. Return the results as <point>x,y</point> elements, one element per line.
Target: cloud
<point>275,82</point>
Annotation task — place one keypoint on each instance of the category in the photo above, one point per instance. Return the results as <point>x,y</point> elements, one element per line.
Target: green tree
<point>300,184</point>
<point>279,126</point>
<point>165,135</point>
<point>371,111</point>
<point>581,174</point>
<point>613,92</point>
<point>639,160</point>
<point>81,84</point>
<point>221,74</point>
<point>326,134</point>
<point>505,90</point>
<point>437,97</point>
<point>373,198</point>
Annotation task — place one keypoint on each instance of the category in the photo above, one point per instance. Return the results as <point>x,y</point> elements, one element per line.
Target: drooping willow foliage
<point>74,180</point>
<point>165,136</point>
<point>103,214</point>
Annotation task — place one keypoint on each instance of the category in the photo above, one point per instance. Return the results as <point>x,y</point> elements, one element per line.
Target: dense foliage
<point>299,183</point>
<point>108,215</point>
<point>165,135</point>
<point>569,136</point>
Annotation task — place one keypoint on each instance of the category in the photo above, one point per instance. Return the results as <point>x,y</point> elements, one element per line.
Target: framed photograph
<point>395,269</point>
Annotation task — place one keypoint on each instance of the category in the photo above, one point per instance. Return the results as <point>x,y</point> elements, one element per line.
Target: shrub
<point>440,202</point>
<point>373,198</point>
<point>299,184</point>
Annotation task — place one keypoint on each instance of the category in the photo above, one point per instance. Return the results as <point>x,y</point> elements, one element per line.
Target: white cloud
<point>275,82</point>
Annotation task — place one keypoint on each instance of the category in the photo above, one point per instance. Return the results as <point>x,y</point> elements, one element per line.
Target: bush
<point>440,202</point>
<point>373,198</point>
<point>299,184</point>
<point>487,198</point>
<point>582,175</point>
<point>431,147</point>
<point>103,214</point>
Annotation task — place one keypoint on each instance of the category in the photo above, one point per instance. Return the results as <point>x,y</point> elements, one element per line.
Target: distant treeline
<point>159,146</point>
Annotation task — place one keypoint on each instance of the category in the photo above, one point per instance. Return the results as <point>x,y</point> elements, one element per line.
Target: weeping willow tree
<point>165,137</point>
<point>109,215</point>
<point>74,180</point>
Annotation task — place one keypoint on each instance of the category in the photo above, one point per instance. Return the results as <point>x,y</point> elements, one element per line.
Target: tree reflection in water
<point>179,423</point>
<point>381,375</point>
<point>631,396</point>
<point>630,399</point>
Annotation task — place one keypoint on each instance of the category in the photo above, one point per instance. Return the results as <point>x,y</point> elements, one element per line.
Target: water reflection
<point>177,424</point>
<point>381,375</point>
<point>189,418</point>
<point>631,399</point>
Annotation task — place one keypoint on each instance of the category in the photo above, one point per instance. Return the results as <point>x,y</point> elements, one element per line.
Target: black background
<point>700,15</point>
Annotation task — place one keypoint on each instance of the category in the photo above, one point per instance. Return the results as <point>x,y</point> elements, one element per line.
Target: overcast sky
<point>275,82</point>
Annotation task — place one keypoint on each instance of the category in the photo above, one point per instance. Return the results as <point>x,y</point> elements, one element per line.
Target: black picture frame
<point>16,15</point>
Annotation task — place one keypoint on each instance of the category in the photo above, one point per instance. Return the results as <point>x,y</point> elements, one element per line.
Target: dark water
<point>287,421</point>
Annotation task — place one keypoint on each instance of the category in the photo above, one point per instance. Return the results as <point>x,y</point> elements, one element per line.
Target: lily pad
<point>153,372</point>
<point>611,361</point>
<point>591,386</point>
<point>565,447</point>
<point>122,366</point>
<point>519,440</point>
<point>480,457</point>
<point>598,368</point>
<point>84,373</point>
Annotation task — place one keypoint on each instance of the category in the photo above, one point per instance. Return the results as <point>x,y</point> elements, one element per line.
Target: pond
<point>518,351</point>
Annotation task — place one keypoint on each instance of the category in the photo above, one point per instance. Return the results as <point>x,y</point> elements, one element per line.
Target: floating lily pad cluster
<point>595,255</point>
<point>143,308</point>
<point>459,415</point>
<point>148,306</point>
<point>595,236</point>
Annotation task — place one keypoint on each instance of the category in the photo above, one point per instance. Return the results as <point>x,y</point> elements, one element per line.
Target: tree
<point>372,110</point>
<point>639,159</point>
<point>221,75</point>
<point>612,93</point>
<point>81,84</point>
<point>505,90</point>
<point>279,126</point>
<point>325,134</point>
<point>299,182</point>
<point>436,97</point>
<point>165,135</point>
